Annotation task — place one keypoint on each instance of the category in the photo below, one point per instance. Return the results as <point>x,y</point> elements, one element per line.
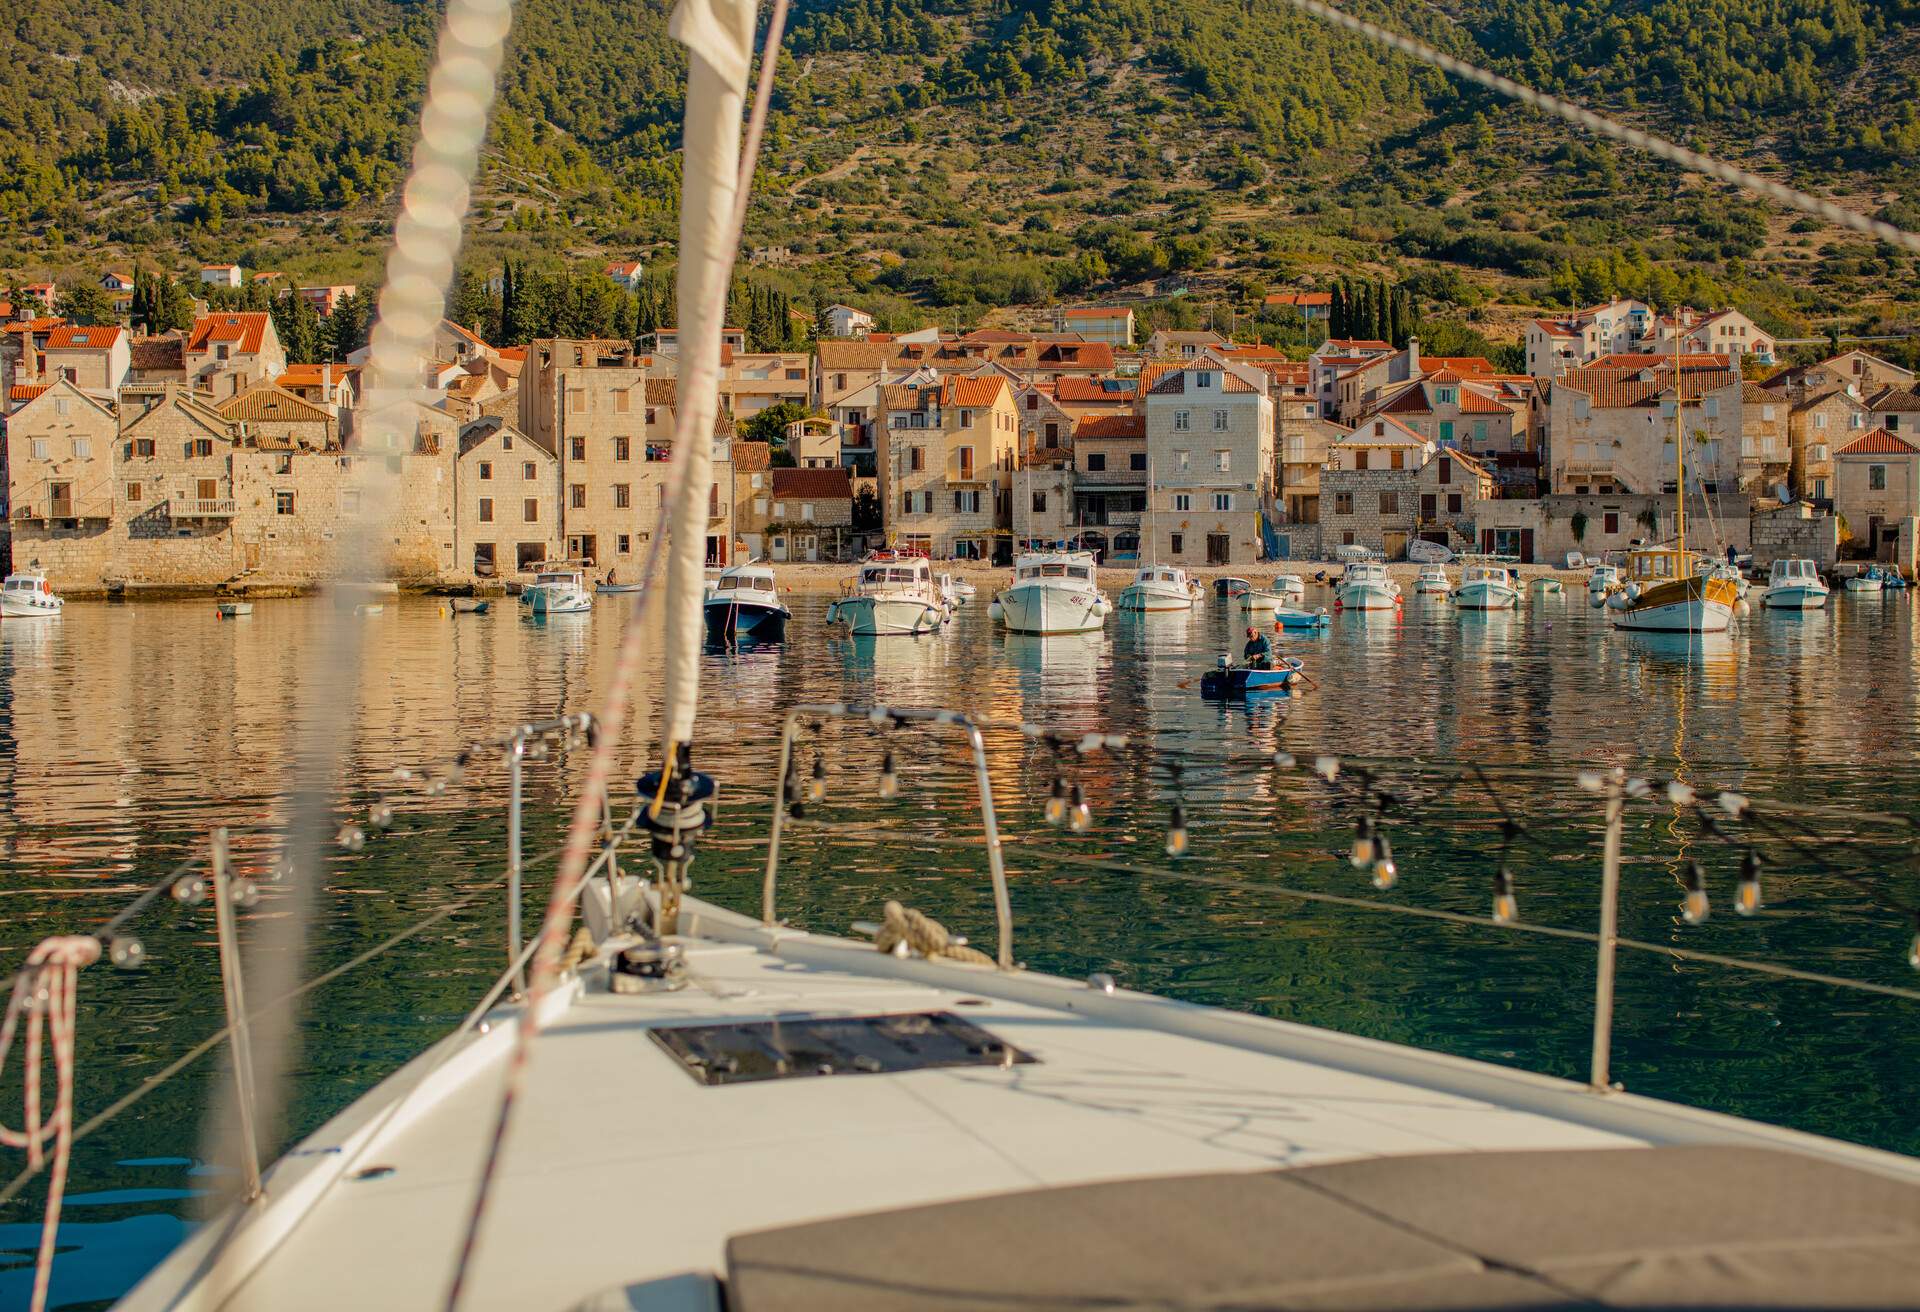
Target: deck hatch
<point>746,1052</point>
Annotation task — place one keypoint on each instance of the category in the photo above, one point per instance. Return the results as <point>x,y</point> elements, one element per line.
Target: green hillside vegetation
<point>961,160</point>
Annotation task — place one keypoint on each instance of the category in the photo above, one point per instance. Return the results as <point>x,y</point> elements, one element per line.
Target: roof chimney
<point>1413,357</point>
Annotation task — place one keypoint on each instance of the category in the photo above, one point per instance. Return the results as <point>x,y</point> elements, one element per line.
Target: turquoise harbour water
<point>128,731</point>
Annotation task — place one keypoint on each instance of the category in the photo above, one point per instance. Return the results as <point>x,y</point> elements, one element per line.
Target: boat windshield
<point>1486,574</point>
<point>1792,569</point>
<point>554,578</point>
<point>725,584</point>
<point>1080,572</point>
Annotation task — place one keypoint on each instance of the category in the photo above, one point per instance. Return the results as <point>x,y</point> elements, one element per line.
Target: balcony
<point>200,508</point>
<point>42,506</point>
<point>1112,477</point>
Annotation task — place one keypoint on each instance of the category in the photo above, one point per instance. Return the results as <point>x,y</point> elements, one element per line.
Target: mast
<point>1679,450</point>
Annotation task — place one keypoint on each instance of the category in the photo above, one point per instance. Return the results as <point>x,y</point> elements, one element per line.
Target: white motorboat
<point>1367,585</point>
<point>1671,590</point>
<point>1604,580</point>
<point>1291,587</point>
<point>1157,588</point>
<point>893,596</point>
<point>743,602</point>
<point>25,595</point>
<point>957,590</point>
<point>1259,601</point>
<point>1865,582</point>
<point>1052,592</point>
<point>1794,584</point>
<point>1486,587</point>
<point>1546,585</point>
<point>558,592</point>
<point>233,610</point>
<point>1432,581</point>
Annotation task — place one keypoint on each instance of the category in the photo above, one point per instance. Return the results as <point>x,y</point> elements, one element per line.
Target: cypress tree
<point>1392,335</point>
<point>1337,312</point>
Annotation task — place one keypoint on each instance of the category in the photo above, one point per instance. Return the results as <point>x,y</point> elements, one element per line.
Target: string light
<point>889,778</point>
<point>1693,908</point>
<point>817,781</point>
<point>189,890</point>
<point>1385,872</point>
<point>1913,948</point>
<point>1361,854</point>
<point>1056,810</point>
<point>1079,814</point>
<point>244,892</point>
<point>379,815</point>
<point>351,838</point>
<point>1746,895</point>
<point>1177,831</point>
<point>126,952</point>
<point>1506,908</point>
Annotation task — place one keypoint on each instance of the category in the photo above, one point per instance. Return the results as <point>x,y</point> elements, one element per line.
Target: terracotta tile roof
<point>1116,427</point>
<point>244,330</point>
<point>1613,387</point>
<point>972,392</point>
<point>1473,401</point>
<point>836,353</point>
<point>315,375</point>
<point>1175,382</point>
<point>1350,344</point>
<point>517,354</point>
<point>1878,443</point>
<point>1900,399</point>
<point>813,484</point>
<point>1095,391</point>
<point>1408,401</point>
<point>269,403</point>
<point>1645,359</point>
<point>27,391</point>
<point>1474,365</point>
<point>663,392</point>
<point>466,334</point>
<point>1252,353</point>
<point>752,457</point>
<point>1383,430</point>
<point>623,268</point>
<point>158,353</point>
<point>1558,327</point>
<point>35,326</point>
<point>1301,299</point>
<point>1096,356</point>
<point>72,337</point>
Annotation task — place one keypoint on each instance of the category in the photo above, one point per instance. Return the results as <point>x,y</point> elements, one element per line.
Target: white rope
<point>44,992</point>
<point>1601,125</point>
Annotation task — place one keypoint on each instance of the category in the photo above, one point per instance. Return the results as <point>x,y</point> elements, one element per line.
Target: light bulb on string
<point>1913,948</point>
<point>1385,872</point>
<point>889,778</point>
<point>126,953</point>
<point>1362,852</point>
<point>244,892</point>
<point>189,890</point>
<point>1056,811</point>
<point>817,781</point>
<point>1177,831</point>
<point>1693,908</point>
<point>1506,908</point>
<point>1746,894</point>
<point>1079,814</point>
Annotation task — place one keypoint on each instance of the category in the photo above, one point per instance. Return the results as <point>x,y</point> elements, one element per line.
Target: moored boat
<point>1794,584</point>
<point>1432,582</point>
<point>744,603</point>
<point>1230,680</point>
<point>1546,586</point>
<point>1291,588</point>
<point>1486,587</point>
<point>1367,585</point>
<point>1157,588</point>
<point>471,605</point>
<point>1052,592</point>
<point>1298,618</point>
<point>25,595</point>
<point>558,592</point>
<point>1604,580</point>
<point>893,596</point>
<point>957,590</point>
<point>1259,601</point>
<point>233,610</point>
<point>1670,590</point>
<point>1866,582</point>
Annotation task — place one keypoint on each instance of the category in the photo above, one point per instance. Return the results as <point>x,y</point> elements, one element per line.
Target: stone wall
<point>1366,524</point>
<point>1551,521</point>
<point>1795,531</point>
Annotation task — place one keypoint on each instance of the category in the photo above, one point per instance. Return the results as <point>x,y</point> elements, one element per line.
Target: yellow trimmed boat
<point>1670,590</point>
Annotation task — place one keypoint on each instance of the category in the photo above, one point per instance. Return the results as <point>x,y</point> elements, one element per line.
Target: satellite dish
<point>1782,494</point>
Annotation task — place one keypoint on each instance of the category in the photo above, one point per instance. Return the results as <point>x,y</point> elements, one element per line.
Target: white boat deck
<point>622,1168</point>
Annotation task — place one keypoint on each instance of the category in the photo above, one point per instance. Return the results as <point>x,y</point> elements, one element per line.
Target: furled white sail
<point>719,36</point>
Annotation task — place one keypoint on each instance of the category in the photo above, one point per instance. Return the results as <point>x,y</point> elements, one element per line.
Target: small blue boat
<point>1229,681</point>
<point>744,605</point>
<point>1299,619</point>
<point>1891,580</point>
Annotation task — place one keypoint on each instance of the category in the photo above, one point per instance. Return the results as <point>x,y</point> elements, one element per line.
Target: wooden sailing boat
<point>1669,589</point>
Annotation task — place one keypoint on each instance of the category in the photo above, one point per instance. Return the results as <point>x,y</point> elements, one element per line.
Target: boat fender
<point>995,610</point>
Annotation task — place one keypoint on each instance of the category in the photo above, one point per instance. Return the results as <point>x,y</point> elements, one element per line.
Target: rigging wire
<point>1601,125</point>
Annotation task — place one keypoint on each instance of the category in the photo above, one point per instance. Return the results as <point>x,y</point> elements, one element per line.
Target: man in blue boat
<point>1258,650</point>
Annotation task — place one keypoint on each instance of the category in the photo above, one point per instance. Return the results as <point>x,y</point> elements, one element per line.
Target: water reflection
<point>126,731</point>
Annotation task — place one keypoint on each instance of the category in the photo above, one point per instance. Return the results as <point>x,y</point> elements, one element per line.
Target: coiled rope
<point>44,992</point>
<point>904,930</point>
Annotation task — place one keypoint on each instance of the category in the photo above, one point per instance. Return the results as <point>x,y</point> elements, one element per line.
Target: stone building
<point>1210,435</point>
<point>1766,457</point>
<point>587,401</point>
<point>1613,423</point>
<point>947,454</point>
<point>1043,499</point>
<point>506,516</point>
<point>1816,425</point>
<point>229,352</point>
<point>1876,489</point>
<point>812,514</point>
<point>59,466</point>
<point>273,419</point>
<point>752,497</point>
<point>97,360</point>
<point>1110,481</point>
<point>751,381</point>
